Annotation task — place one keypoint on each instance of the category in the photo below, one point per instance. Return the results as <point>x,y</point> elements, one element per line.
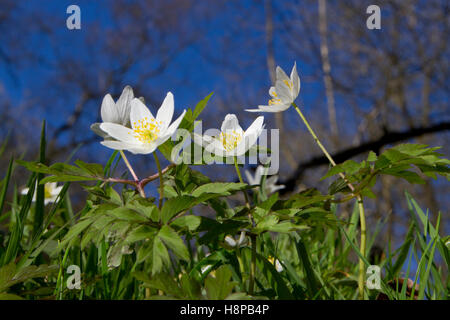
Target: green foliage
<point>402,161</point>
<point>130,248</point>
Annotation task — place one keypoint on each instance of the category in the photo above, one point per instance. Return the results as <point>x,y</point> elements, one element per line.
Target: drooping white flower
<point>146,132</point>
<point>51,192</point>
<point>276,263</point>
<point>232,140</point>
<point>231,243</point>
<point>270,183</point>
<point>115,112</point>
<point>284,92</point>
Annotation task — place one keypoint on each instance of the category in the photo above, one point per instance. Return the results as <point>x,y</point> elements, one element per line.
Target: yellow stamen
<point>274,101</point>
<point>47,192</point>
<point>146,131</point>
<point>230,140</point>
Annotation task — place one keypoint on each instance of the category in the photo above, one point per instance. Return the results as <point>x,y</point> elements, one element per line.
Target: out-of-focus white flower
<point>147,132</point>
<point>232,141</point>
<point>276,263</point>
<point>232,243</point>
<point>51,191</point>
<point>207,268</point>
<point>270,183</point>
<point>284,92</point>
<point>114,256</point>
<point>115,112</point>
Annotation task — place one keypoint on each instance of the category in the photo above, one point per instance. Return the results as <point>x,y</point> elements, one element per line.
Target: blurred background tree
<point>362,89</point>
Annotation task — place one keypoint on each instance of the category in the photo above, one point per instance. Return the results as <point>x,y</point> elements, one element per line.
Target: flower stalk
<point>161,181</point>
<point>251,283</point>
<point>138,185</point>
<point>362,218</point>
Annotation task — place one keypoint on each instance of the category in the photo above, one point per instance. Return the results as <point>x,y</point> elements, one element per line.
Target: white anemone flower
<point>232,140</point>
<point>115,112</point>
<point>146,132</point>
<point>276,263</point>
<point>231,243</point>
<point>270,183</point>
<point>284,92</point>
<point>51,192</point>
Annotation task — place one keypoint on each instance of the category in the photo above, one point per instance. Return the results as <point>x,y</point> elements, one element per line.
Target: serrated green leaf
<point>173,241</point>
<point>190,222</point>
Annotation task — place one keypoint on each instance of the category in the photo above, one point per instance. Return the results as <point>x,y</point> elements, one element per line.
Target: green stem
<point>362,248</point>
<point>128,165</point>
<point>161,182</point>
<point>247,202</point>
<point>360,203</point>
<point>311,131</point>
<point>251,283</point>
<point>135,177</point>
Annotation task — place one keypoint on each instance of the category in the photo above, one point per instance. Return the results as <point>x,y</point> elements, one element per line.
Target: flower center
<point>146,131</point>
<point>47,192</point>
<point>230,140</point>
<point>275,99</point>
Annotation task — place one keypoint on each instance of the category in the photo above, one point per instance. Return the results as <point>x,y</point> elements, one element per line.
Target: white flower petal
<point>273,92</point>
<point>96,128</point>
<point>278,266</point>
<point>250,179</point>
<point>250,136</point>
<point>230,241</point>
<point>57,190</point>
<point>281,75</point>
<point>174,126</point>
<point>108,110</point>
<point>123,106</point>
<point>119,132</point>
<point>116,145</point>
<point>133,148</point>
<point>242,239</point>
<point>295,79</point>
<point>259,173</point>
<point>230,123</point>
<point>272,108</point>
<point>138,112</point>
<point>165,112</point>
<point>284,92</point>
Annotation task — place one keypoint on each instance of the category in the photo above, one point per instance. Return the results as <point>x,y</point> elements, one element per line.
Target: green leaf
<point>160,256</point>
<point>222,188</point>
<point>372,157</point>
<point>219,287</point>
<point>266,223</point>
<point>93,169</point>
<point>127,214</point>
<point>76,230</point>
<point>190,222</point>
<point>165,282</point>
<point>201,105</point>
<point>173,241</point>
<point>139,233</point>
<point>174,206</point>
<point>303,255</point>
